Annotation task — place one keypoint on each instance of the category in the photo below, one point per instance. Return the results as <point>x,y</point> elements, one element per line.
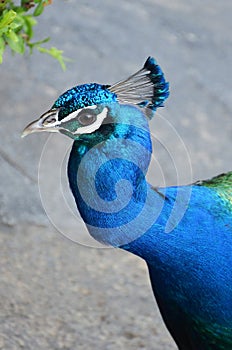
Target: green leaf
<point>6,20</point>
<point>55,53</point>
<point>39,9</point>
<point>16,28</point>
<point>15,42</point>
<point>39,42</point>
<point>2,48</point>
<point>12,36</point>
<point>36,44</point>
<point>29,23</point>
<point>17,24</point>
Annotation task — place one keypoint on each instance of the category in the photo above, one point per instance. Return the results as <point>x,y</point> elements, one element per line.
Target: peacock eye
<point>50,117</point>
<point>49,120</point>
<point>86,117</point>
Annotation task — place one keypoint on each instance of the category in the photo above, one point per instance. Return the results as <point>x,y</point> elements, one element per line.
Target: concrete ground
<point>57,294</point>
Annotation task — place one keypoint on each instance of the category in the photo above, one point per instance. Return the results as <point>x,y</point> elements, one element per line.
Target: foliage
<point>16,28</point>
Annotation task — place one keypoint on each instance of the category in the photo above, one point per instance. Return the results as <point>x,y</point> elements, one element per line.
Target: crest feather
<point>146,88</point>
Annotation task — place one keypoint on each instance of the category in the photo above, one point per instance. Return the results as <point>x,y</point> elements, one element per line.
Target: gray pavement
<point>56,294</point>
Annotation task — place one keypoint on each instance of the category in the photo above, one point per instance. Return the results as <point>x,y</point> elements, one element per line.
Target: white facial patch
<point>75,114</point>
<point>49,121</point>
<point>93,127</point>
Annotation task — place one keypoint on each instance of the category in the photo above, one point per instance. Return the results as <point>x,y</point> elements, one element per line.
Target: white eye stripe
<point>96,125</point>
<point>74,114</point>
<point>60,124</point>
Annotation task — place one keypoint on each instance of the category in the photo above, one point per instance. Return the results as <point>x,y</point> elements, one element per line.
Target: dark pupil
<point>86,118</point>
<point>49,120</point>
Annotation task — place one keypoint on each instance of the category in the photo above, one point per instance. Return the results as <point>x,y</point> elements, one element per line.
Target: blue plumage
<point>183,233</point>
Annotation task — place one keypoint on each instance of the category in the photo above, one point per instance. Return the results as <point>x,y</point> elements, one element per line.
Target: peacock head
<point>83,109</point>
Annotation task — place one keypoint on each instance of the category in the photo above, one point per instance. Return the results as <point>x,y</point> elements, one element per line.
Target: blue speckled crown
<point>145,88</point>
<point>83,96</point>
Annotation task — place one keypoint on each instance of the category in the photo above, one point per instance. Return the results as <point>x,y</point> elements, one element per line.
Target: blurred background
<point>58,294</point>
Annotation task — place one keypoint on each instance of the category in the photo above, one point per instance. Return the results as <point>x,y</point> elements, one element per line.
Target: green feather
<point>222,184</point>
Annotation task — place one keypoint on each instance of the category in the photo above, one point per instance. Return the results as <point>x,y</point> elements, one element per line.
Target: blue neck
<point>108,178</point>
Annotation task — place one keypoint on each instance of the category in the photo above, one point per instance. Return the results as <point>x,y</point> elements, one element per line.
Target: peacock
<point>184,233</point>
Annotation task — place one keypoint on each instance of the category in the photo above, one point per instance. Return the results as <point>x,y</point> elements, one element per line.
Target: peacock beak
<point>47,122</point>
<point>35,126</point>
